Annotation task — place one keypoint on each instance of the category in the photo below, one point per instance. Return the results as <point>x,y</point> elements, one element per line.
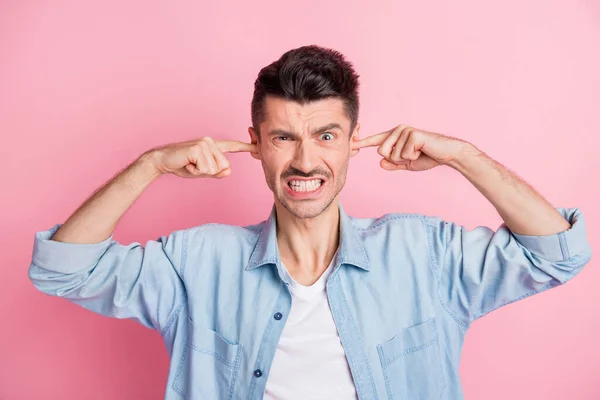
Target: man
<point>312,303</point>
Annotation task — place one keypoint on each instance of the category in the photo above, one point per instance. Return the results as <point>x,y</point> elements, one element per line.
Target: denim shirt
<point>404,290</point>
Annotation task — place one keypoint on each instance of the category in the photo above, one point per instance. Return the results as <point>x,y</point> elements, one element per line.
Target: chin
<point>305,210</point>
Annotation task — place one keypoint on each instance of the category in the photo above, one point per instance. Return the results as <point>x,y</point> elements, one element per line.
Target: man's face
<point>305,151</point>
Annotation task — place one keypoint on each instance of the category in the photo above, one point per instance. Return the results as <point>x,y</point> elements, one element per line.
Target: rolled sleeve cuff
<point>560,246</point>
<point>64,257</point>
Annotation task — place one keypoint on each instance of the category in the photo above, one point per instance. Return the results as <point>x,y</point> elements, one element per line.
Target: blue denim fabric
<point>404,290</point>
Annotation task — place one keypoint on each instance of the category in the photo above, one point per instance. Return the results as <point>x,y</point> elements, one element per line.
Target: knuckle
<point>200,147</point>
<point>196,148</point>
<point>400,128</point>
<point>204,144</point>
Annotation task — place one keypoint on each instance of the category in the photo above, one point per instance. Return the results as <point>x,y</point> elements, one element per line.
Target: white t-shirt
<point>310,362</point>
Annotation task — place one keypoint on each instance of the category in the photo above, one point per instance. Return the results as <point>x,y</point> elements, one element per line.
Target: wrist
<point>465,156</point>
<point>148,166</point>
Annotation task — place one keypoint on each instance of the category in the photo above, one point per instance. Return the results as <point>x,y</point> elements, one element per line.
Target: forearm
<point>523,209</point>
<point>96,219</point>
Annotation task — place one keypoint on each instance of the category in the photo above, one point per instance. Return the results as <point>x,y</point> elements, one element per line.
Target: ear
<point>354,138</point>
<point>254,140</point>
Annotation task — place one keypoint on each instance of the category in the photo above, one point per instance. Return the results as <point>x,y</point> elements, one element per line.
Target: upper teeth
<point>305,186</point>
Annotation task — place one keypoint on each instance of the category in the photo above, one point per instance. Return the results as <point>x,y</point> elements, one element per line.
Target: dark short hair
<point>306,74</point>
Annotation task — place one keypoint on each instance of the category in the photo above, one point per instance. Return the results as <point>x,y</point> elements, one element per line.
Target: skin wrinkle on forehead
<point>287,113</point>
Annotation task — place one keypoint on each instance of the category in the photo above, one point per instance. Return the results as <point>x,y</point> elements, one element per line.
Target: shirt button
<point>258,373</point>
<point>278,316</point>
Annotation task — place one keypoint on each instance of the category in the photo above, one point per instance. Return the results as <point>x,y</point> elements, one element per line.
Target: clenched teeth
<point>305,186</point>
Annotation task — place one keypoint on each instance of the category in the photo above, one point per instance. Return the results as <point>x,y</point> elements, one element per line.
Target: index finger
<point>235,146</point>
<point>374,140</point>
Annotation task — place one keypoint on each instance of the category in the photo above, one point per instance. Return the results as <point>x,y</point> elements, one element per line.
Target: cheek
<point>272,162</point>
<point>278,155</point>
<point>337,161</point>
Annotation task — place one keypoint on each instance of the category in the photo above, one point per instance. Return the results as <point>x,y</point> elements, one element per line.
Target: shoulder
<point>393,221</point>
<point>216,234</point>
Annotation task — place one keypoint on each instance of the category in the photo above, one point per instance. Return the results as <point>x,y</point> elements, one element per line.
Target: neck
<point>307,246</point>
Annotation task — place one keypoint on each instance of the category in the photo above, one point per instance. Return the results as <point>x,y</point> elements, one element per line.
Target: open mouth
<point>305,185</point>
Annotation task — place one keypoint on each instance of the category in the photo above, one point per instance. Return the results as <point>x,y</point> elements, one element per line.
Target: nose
<point>305,156</point>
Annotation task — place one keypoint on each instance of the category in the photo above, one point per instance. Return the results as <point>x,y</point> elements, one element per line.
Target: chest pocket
<point>411,363</point>
<point>208,367</point>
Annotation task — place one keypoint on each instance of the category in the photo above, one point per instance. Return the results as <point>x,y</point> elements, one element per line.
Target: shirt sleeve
<point>122,281</point>
<point>481,270</point>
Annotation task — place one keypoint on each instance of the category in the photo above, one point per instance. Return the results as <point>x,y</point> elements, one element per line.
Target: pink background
<point>87,86</point>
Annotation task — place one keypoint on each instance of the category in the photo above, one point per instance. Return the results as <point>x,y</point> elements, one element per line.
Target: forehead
<point>293,116</point>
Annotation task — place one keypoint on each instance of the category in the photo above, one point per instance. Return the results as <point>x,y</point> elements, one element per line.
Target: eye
<point>283,138</point>
<point>327,136</point>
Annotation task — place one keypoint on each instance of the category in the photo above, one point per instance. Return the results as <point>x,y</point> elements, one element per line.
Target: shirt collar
<point>350,251</point>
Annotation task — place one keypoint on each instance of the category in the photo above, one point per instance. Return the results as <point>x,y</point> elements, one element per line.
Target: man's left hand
<point>408,148</point>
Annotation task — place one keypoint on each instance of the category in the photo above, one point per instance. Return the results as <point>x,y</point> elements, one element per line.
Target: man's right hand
<point>97,217</point>
<point>201,158</point>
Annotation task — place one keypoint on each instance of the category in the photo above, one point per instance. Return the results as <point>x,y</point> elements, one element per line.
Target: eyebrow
<point>328,127</point>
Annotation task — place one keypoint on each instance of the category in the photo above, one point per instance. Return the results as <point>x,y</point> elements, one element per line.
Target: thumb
<point>223,174</point>
<point>390,166</point>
